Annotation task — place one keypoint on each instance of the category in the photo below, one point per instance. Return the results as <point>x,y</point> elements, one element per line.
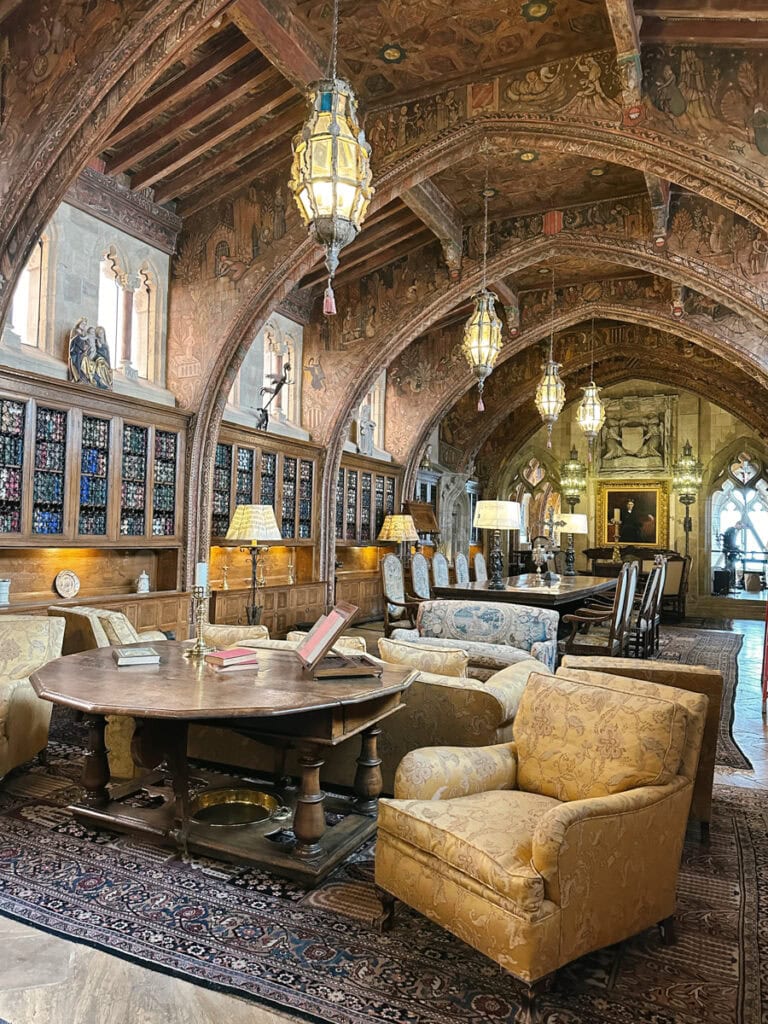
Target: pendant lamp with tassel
<point>590,414</point>
<point>482,332</point>
<point>550,393</point>
<point>331,169</point>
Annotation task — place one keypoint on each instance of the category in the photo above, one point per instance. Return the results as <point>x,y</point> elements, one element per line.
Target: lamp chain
<point>334,38</point>
<point>552,322</point>
<point>592,354</point>
<point>485,229</point>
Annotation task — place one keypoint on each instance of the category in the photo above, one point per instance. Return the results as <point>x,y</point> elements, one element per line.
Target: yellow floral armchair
<point>27,642</point>
<point>536,852</point>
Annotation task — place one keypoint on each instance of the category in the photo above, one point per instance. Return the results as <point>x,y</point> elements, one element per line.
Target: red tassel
<point>329,301</point>
<point>480,406</point>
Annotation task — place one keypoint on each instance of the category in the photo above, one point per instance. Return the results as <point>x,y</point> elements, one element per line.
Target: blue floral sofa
<point>492,634</point>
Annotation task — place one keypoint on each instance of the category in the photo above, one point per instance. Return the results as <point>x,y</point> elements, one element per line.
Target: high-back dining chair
<point>440,577</point>
<point>399,608</point>
<point>676,586</point>
<point>462,569</point>
<point>420,577</point>
<point>601,630</point>
<point>642,629</point>
<point>481,571</point>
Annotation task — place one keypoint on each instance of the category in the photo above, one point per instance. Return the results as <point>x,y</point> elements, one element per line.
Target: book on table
<point>135,656</point>
<point>232,657</point>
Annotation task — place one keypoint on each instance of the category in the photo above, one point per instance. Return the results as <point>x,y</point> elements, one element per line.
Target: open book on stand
<point>321,660</point>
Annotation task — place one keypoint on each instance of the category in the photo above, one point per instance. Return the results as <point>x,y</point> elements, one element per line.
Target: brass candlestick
<point>616,553</point>
<point>200,598</point>
<point>225,577</point>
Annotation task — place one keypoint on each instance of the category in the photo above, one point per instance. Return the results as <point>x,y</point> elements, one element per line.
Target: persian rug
<point>705,623</point>
<point>720,650</point>
<point>318,955</point>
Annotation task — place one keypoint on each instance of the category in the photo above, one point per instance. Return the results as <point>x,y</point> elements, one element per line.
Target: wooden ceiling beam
<point>180,88</point>
<point>257,76</point>
<point>625,28</point>
<point>438,213</point>
<point>508,296</point>
<point>251,169</point>
<point>277,93</point>
<point>251,142</point>
<point>7,7</point>
<point>658,193</point>
<point>716,32</point>
<point>696,10</point>
<point>401,246</point>
<point>367,245</point>
<point>283,39</point>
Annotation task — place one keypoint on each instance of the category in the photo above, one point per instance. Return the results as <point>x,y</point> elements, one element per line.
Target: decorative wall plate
<point>67,583</point>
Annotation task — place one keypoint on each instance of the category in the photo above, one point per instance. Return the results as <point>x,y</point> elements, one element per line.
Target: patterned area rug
<point>704,623</point>
<point>720,650</point>
<point>317,955</point>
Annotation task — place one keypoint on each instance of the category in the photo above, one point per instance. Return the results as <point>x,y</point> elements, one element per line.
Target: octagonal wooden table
<point>277,702</point>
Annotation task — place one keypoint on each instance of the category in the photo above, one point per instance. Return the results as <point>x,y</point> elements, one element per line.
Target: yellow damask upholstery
<point>27,643</point>
<point>223,637</point>
<point>438,710</point>
<point>637,740</point>
<point>698,679</point>
<point>532,880</point>
<point>441,661</point>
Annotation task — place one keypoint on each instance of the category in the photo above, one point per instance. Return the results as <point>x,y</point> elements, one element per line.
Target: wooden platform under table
<point>277,703</point>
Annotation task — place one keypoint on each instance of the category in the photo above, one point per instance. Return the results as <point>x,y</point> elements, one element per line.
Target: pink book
<point>233,656</point>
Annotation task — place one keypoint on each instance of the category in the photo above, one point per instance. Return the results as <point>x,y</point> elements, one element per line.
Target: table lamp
<point>571,523</point>
<point>399,529</point>
<point>250,525</point>
<point>497,516</point>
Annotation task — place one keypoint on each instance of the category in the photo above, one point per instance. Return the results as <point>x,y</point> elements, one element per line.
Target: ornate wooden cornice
<point>133,212</point>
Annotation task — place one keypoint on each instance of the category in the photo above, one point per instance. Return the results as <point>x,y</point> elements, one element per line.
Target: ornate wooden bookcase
<point>94,482</point>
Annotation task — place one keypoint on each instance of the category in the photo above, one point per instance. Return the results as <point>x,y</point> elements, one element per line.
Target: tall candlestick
<point>617,515</point>
<point>201,574</point>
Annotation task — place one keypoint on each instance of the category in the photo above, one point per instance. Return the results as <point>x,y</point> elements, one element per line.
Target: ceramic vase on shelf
<point>142,583</point>
<point>5,591</point>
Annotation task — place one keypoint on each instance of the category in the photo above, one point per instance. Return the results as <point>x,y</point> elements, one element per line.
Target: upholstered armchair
<point>536,852</point>
<point>86,628</point>
<point>27,642</point>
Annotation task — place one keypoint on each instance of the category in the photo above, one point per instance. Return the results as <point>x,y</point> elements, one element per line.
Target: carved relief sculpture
<point>88,359</point>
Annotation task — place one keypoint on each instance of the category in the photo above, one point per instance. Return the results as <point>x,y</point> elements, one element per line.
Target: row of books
<point>221,661</point>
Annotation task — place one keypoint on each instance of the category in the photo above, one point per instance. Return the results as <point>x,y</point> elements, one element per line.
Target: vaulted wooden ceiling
<point>222,116</point>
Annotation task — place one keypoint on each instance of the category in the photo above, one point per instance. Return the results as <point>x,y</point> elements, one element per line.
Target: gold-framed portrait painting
<point>641,508</point>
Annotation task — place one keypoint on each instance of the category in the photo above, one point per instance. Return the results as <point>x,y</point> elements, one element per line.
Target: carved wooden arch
<point>92,110</point>
<point>665,375</point>
<point>725,182</point>
<point>620,313</point>
<point>734,187</point>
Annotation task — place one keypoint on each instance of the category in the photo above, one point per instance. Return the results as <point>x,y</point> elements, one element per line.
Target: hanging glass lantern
<point>331,169</point>
<point>550,395</point>
<point>590,414</point>
<point>573,479</point>
<point>482,332</point>
<point>687,475</point>
<point>482,340</point>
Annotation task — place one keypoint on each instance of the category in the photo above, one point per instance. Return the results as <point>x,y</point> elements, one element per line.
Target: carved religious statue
<point>88,359</point>
<point>365,429</point>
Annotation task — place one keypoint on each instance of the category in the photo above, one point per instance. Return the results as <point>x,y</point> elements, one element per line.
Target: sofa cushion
<point>224,636</point>
<point>443,661</point>
<point>487,622</point>
<point>118,628</point>
<point>487,836</point>
<point>577,740</point>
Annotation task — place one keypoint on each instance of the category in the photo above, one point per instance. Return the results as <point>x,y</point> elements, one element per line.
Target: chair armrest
<point>409,602</point>
<point>580,834</point>
<point>402,633</point>
<point>441,773</point>
<point>545,651</point>
<point>152,634</point>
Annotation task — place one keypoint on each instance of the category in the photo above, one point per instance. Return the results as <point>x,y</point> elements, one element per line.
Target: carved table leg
<point>309,816</point>
<point>368,781</point>
<point>178,766</point>
<point>95,764</point>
